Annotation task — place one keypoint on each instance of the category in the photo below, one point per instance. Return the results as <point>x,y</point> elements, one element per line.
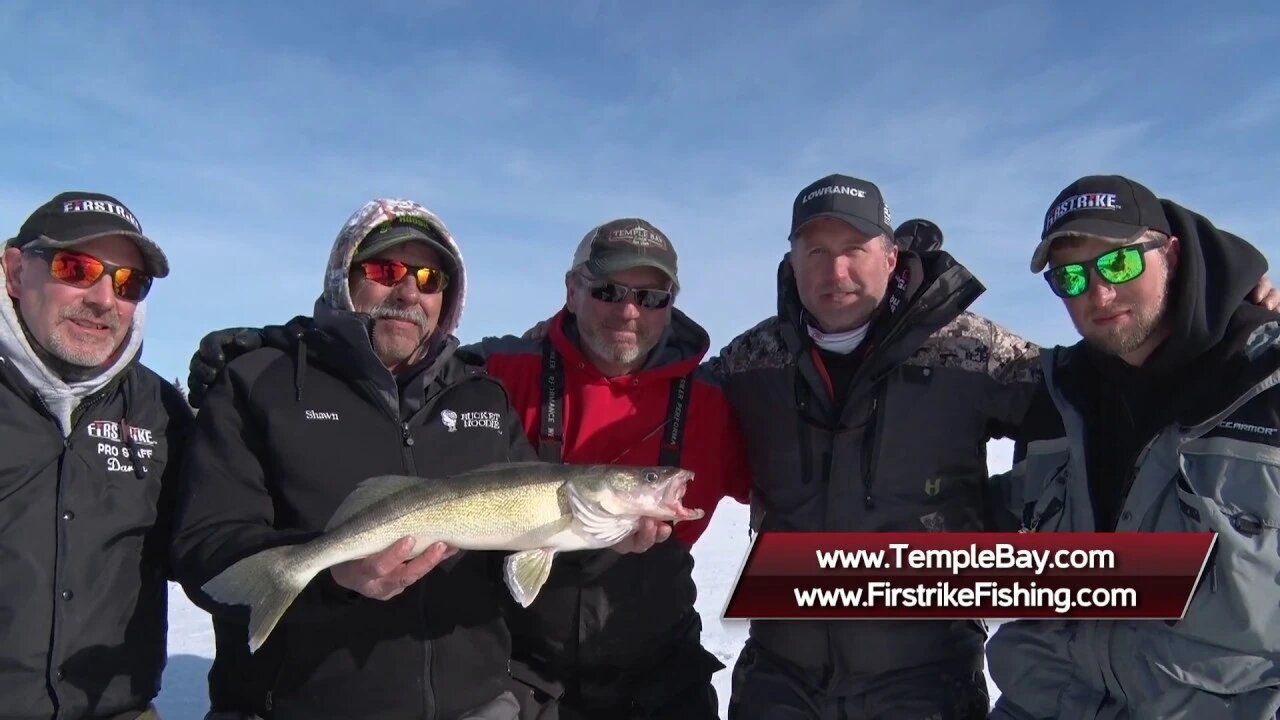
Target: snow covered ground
<point>718,557</point>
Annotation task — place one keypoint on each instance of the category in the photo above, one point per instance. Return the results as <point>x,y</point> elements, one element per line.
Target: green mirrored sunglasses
<point>1116,267</point>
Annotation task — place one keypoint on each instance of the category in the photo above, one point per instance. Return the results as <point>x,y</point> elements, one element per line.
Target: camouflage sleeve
<point>1013,364</point>
<point>756,349</point>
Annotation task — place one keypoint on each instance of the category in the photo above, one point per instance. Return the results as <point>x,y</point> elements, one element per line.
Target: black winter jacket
<point>282,437</point>
<point>83,536</point>
<point>904,449</point>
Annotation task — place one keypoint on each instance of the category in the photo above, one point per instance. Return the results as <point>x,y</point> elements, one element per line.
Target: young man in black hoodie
<point>373,387</point>
<point>1162,419</point>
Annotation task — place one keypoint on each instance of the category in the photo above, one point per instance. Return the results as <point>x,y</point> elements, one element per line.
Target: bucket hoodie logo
<point>1087,201</point>
<point>482,419</point>
<point>468,420</point>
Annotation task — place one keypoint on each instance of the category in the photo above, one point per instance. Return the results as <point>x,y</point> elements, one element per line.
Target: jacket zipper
<point>871,448</point>
<point>428,699</point>
<point>1053,508</point>
<point>430,710</point>
<point>406,446</point>
<point>1128,481</point>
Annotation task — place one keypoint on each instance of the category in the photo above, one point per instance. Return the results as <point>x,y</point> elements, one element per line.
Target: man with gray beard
<point>372,385</point>
<point>89,443</point>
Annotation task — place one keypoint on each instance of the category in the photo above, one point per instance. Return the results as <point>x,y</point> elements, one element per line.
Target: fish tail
<point>268,582</point>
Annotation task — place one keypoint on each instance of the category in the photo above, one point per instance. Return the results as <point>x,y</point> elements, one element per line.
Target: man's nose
<point>1100,292</point>
<point>406,291</point>
<point>100,295</point>
<point>629,308</point>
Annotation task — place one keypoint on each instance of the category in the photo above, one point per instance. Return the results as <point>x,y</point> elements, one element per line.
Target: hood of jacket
<point>337,293</point>
<point>1216,270</point>
<point>60,397</point>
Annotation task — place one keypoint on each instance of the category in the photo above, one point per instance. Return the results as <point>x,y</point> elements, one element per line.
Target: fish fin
<point>597,521</point>
<point>367,493</point>
<point>268,582</point>
<point>526,571</point>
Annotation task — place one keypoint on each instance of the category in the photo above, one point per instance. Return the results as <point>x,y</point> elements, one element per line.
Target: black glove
<point>216,350</point>
<point>220,347</point>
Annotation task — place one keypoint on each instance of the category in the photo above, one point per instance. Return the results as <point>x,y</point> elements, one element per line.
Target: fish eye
<point>651,477</point>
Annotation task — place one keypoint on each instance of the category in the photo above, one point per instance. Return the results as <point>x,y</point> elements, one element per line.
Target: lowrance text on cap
<point>857,202</point>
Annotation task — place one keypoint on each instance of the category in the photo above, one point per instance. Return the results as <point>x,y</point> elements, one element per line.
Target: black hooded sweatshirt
<point>1127,406</point>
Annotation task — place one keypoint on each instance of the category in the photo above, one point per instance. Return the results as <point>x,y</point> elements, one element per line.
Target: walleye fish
<point>534,508</point>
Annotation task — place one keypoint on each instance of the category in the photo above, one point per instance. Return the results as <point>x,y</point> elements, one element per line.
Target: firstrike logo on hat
<point>1087,201</point>
<point>102,206</point>
<point>834,190</point>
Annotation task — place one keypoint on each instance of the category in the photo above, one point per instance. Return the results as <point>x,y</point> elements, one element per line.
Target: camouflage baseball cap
<point>623,244</point>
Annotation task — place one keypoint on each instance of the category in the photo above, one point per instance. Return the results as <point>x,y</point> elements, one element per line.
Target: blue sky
<point>243,134</point>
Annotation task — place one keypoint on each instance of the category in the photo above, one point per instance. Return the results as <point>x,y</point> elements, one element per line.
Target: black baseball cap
<point>74,217</point>
<point>403,229</point>
<point>624,244</point>
<point>854,201</point>
<point>1107,206</point>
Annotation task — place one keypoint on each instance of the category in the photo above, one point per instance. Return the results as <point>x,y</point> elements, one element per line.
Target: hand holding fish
<point>385,575</point>
<point>648,532</point>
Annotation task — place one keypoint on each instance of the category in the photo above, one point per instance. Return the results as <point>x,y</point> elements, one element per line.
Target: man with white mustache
<point>370,386</point>
<point>89,445</point>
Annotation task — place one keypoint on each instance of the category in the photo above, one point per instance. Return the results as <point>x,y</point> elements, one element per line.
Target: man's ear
<point>1173,252</point>
<point>13,271</point>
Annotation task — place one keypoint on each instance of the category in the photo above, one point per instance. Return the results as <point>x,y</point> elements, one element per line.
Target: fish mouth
<point>671,504</point>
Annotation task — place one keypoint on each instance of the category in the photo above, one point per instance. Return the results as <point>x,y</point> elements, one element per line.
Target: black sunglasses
<point>1116,267</point>
<point>611,292</point>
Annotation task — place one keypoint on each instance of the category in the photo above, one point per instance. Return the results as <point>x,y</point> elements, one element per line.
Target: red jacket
<point>620,420</point>
<point>610,629</point>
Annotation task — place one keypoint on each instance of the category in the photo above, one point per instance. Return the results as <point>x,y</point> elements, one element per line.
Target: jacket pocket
<point>1210,668</point>
<point>1044,485</point>
<point>1232,488</point>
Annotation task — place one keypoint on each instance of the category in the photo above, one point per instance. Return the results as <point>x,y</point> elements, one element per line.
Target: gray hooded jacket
<point>1211,463</point>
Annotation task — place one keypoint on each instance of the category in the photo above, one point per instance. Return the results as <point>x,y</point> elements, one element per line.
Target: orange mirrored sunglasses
<point>390,272</point>
<point>82,271</point>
